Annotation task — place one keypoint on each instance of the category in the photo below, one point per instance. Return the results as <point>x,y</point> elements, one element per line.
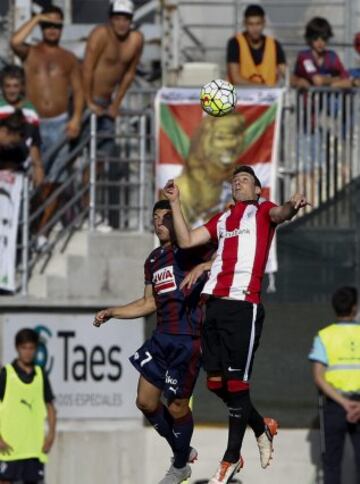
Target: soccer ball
<point>218,98</point>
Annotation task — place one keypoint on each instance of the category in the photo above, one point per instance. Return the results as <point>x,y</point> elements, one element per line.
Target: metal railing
<point>105,190</point>
<point>320,151</point>
<point>319,154</point>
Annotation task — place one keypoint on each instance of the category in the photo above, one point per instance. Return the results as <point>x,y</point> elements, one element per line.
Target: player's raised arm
<point>289,209</point>
<point>136,309</point>
<point>185,238</point>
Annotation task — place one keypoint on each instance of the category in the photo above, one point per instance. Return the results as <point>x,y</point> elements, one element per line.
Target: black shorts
<point>231,335</point>
<point>26,470</point>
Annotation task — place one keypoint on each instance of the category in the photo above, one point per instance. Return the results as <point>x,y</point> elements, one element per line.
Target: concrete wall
<point>126,454</point>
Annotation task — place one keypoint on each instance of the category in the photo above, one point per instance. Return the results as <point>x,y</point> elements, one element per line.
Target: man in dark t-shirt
<point>26,400</point>
<point>252,57</point>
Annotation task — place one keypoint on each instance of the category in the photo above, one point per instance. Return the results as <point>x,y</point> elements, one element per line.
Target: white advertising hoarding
<point>88,367</point>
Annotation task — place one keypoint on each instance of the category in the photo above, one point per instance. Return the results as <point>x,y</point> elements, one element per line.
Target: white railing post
<point>25,237</point>
<point>142,172</point>
<point>92,187</point>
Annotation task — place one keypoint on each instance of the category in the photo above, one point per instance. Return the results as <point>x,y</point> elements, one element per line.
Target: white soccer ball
<point>218,97</point>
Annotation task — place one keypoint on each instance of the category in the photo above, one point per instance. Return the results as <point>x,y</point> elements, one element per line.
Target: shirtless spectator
<point>12,81</point>
<point>112,54</point>
<point>52,74</point>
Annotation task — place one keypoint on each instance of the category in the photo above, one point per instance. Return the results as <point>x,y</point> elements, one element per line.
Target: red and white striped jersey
<point>243,234</point>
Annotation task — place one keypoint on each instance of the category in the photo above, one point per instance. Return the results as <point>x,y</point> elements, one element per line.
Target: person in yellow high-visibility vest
<point>26,400</point>
<point>336,369</point>
<point>252,57</point>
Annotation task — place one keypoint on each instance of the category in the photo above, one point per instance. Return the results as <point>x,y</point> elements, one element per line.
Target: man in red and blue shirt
<point>169,361</point>
<point>234,313</point>
<point>318,65</point>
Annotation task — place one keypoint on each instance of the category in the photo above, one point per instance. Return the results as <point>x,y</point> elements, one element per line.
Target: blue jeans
<point>52,130</point>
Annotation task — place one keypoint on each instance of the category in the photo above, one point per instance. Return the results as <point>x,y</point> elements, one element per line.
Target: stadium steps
<point>95,265</point>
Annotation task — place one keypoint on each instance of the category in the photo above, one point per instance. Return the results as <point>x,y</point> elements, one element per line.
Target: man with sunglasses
<point>52,74</point>
<point>318,65</point>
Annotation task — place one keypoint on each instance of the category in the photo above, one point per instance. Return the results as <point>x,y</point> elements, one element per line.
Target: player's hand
<point>298,201</point>
<point>5,448</point>
<point>112,111</point>
<point>96,108</point>
<point>171,191</point>
<point>192,277</point>
<point>102,317</point>
<point>73,129</point>
<point>48,443</point>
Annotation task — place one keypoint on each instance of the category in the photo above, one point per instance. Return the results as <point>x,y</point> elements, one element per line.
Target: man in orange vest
<point>252,57</point>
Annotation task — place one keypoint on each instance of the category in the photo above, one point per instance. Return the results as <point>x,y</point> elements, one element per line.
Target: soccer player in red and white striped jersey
<point>234,313</point>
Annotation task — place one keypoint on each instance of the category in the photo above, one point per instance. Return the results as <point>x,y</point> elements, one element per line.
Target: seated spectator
<point>252,57</point>
<point>12,83</point>
<point>318,65</point>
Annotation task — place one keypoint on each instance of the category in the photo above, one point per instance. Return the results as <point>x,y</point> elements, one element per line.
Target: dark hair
<point>53,9</point>
<point>14,72</point>
<point>15,122</point>
<point>254,11</point>
<point>318,27</point>
<point>250,171</point>
<point>26,335</point>
<point>162,205</point>
<point>344,300</point>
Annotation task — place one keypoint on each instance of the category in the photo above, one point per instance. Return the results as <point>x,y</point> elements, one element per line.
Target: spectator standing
<point>52,73</point>
<point>112,54</point>
<point>336,369</point>
<point>12,87</point>
<point>318,65</point>
<point>14,151</point>
<point>26,401</point>
<point>252,57</point>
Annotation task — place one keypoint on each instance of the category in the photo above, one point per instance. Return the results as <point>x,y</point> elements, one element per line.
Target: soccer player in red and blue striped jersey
<point>169,361</point>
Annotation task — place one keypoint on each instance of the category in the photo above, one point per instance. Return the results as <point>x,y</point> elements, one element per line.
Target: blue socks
<point>177,432</point>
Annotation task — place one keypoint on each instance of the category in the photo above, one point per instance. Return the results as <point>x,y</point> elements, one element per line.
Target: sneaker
<point>193,456</point>
<point>226,471</point>
<point>176,476</point>
<point>265,441</point>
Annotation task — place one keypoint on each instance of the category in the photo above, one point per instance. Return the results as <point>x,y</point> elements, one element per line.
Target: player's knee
<point>179,408</point>
<point>145,405</point>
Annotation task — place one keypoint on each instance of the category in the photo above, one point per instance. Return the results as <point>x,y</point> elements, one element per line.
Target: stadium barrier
<point>318,155</point>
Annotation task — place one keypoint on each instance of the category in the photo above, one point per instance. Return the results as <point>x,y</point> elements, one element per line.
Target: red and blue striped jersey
<point>178,311</point>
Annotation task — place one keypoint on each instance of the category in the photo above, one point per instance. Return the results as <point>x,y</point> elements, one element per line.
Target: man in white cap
<point>112,54</point>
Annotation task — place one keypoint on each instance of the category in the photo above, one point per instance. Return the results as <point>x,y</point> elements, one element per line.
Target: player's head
<point>26,344</point>
<point>52,28</point>
<point>254,21</point>
<point>12,81</point>
<point>344,302</point>
<point>245,184</point>
<point>318,32</point>
<point>163,221</point>
<point>121,13</point>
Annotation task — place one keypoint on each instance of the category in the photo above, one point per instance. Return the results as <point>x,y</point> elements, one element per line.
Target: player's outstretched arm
<point>192,277</point>
<point>185,238</point>
<point>136,309</point>
<point>287,211</point>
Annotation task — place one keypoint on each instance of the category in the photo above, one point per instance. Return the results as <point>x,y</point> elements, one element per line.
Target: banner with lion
<point>201,151</point>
